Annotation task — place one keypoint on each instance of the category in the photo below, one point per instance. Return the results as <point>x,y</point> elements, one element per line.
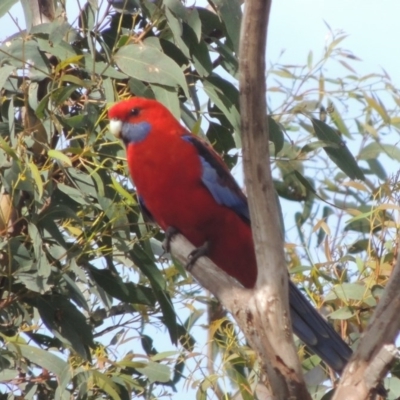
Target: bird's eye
<point>135,112</point>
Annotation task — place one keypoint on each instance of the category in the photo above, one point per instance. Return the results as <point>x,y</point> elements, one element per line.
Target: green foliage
<point>85,285</point>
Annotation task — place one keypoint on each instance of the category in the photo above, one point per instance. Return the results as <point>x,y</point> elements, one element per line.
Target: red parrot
<point>185,186</point>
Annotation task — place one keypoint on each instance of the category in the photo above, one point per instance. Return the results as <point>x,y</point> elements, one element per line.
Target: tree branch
<point>372,359</point>
<point>251,309</point>
<point>272,284</point>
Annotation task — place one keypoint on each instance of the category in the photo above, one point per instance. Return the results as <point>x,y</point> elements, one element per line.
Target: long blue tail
<point>316,332</point>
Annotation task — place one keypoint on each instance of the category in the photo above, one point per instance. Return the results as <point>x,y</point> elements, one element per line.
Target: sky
<point>298,26</point>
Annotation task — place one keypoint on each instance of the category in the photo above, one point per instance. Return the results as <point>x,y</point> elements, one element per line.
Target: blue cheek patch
<point>135,133</point>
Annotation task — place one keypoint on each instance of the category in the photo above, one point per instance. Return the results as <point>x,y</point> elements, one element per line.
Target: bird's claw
<point>196,254</point>
<point>193,256</point>
<point>169,234</point>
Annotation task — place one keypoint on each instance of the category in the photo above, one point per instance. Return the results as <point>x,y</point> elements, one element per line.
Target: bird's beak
<point>116,127</point>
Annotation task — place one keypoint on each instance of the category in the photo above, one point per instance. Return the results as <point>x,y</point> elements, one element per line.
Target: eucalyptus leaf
<point>156,372</point>
<point>40,357</point>
<point>338,153</point>
<point>6,5</point>
<point>231,14</point>
<point>5,72</point>
<point>150,65</point>
<point>63,319</point>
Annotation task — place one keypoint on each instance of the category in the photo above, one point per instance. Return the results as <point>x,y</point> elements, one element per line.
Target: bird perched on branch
<point>186,187</point>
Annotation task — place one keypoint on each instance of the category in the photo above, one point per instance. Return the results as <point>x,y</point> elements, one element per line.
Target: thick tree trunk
<point>271,296</point>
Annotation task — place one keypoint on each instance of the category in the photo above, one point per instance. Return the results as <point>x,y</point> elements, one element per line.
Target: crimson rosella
<point>184,184</point>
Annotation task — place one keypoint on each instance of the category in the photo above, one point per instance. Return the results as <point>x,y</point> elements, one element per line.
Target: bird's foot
<point>196,254</point>
<point>169,234</point>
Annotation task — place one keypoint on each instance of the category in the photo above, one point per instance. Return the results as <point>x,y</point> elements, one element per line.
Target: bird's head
<point>134,119</point>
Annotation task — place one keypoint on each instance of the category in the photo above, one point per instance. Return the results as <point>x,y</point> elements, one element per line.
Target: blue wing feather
<point>218,179</point>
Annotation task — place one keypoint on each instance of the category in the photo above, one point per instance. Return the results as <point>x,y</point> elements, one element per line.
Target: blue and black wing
<point>218,179</point>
